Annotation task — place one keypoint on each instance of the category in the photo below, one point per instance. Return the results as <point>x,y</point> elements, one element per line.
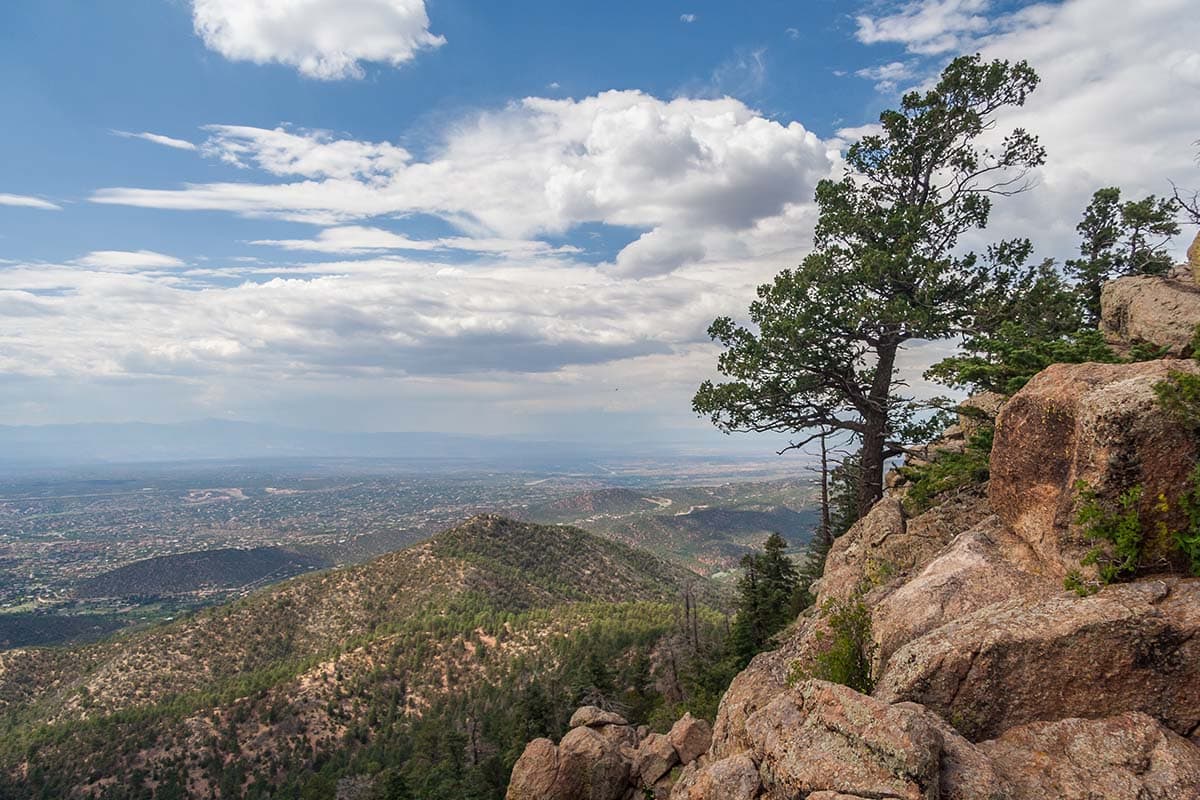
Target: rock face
<point>1144,309</point>
<point>734,778</point>
<point>1125,756</point>
<point>1193,255</point>
<point>985,565</point>
<point>825,737</point>
<point>1097,423</point>
<point>1133,647</point>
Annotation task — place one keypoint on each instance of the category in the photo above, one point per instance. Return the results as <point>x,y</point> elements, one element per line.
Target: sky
<point>478,217</point>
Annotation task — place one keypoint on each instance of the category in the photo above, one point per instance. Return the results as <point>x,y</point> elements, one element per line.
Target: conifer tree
<point>821,352</point>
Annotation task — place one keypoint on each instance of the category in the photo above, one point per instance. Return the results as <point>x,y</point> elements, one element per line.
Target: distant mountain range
<point>222,439</point>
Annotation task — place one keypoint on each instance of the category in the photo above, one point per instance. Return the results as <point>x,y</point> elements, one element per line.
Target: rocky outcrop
<point>820,740</point>
<point>985,565</point>
<point>1157,311</point>
<point>605,758</point>
<point>1133,647</point>
<point>1095,423</point>
<point>992,682</point>
<point>592,762</point>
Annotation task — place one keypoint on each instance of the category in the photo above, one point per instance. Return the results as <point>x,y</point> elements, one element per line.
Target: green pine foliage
<point>1120,239</point>
<point>949,472</point>
<point>770,596</point>
<point>847,651</point>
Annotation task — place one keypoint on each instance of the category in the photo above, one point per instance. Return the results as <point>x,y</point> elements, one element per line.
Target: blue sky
<point>467,216</point>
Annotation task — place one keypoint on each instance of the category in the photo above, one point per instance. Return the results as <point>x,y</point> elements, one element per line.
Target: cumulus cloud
<point>128,260</point>
<point>158,138</point>
<point>323,39</point>
<point>689,18</point>
<point>672,168</point>
<point>25,201</point>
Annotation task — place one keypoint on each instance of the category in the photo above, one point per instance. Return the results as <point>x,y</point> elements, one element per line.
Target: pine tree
<point>885,270</point>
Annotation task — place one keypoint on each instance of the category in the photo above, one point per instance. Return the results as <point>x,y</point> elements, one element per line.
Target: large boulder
<point>1133,647</point>
<point>536,774</point>
<point>1121,757</point>
<point>825,737</point>
<point>1096,423</point>
<point>590,763</point>
<point>733,778</point>
<point>656,757</point>
<point>691,737</point>
<point>1159,311</point>
<point>986,564</point>
<point>593,717</point>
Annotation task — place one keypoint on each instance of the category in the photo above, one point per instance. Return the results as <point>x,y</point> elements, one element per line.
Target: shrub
<point>847,658</point>
<point>949,472</point>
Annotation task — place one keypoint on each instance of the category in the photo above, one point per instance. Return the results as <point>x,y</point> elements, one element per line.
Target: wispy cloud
<point>128,260</point>
<point>888,76</point>
<point>25,201</point>
<point>158,138</point>
<point>688,18</point>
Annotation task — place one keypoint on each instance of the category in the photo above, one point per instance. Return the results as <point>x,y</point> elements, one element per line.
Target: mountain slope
<point>275,683</point>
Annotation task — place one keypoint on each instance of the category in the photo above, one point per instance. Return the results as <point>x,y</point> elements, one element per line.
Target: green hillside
<point>492,631</point>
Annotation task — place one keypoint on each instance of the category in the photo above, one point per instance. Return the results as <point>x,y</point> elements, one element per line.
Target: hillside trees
<point>821,352</point>
<point>769,597</point>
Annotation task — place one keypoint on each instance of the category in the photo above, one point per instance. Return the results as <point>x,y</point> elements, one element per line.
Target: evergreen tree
<point>1033,322</point>
<point>885,270</point>
<point>1120,239</point>
<point>767,598</point>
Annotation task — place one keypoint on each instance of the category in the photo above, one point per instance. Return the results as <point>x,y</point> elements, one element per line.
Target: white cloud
<point>792,33</point>
<point>678,169</point>
<point>359,239</point>
<point>128,260</point>
<point>25,201</point>
<point>887,76</point>
<point>688,18</point>
<point>324,39</point>
<point>928,26</point>
<point>158,138</point>
<point>1112,109</point>
<point>311,154</point>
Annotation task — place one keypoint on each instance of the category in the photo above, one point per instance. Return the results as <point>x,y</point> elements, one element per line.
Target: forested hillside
<point>427,668</point>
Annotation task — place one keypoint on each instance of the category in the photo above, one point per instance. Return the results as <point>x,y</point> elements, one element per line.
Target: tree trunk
<point>826,531</point>
<point>870,487</point>
<point>875,420</point>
